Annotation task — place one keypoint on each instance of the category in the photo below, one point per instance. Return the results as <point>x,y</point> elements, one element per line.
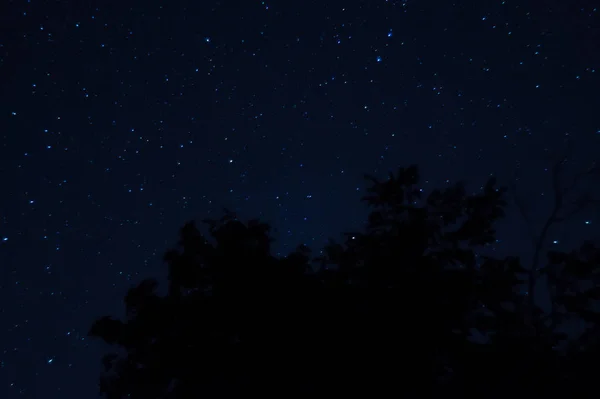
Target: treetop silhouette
<point>392,309</point>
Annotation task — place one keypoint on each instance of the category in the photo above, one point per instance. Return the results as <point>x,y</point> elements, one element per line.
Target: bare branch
<point>585,201</point>
<point>558,194</point>
<point>522,209</point>
<point>593,171</point>
<point>560,211</point>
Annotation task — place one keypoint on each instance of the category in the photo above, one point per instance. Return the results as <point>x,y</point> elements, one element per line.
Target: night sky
<point>120,121</point>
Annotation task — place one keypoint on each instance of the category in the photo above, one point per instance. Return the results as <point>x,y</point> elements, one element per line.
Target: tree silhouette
<point>392,310</point>
<point>569,199</point>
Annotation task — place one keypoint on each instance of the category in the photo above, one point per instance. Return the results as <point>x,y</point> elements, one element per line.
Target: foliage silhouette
<point>391,310</point>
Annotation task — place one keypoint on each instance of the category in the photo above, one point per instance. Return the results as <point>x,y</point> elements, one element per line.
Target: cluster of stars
<point>126,123</point>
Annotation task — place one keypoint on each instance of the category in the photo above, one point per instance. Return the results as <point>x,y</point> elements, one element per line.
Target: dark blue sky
<point>119,121</point>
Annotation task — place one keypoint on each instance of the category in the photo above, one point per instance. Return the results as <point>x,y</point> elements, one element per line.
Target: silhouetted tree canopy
<point>406,308</point>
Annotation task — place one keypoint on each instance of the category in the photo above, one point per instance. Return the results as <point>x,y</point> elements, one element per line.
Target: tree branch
<point>522,210</point>
<point>581,203</point>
